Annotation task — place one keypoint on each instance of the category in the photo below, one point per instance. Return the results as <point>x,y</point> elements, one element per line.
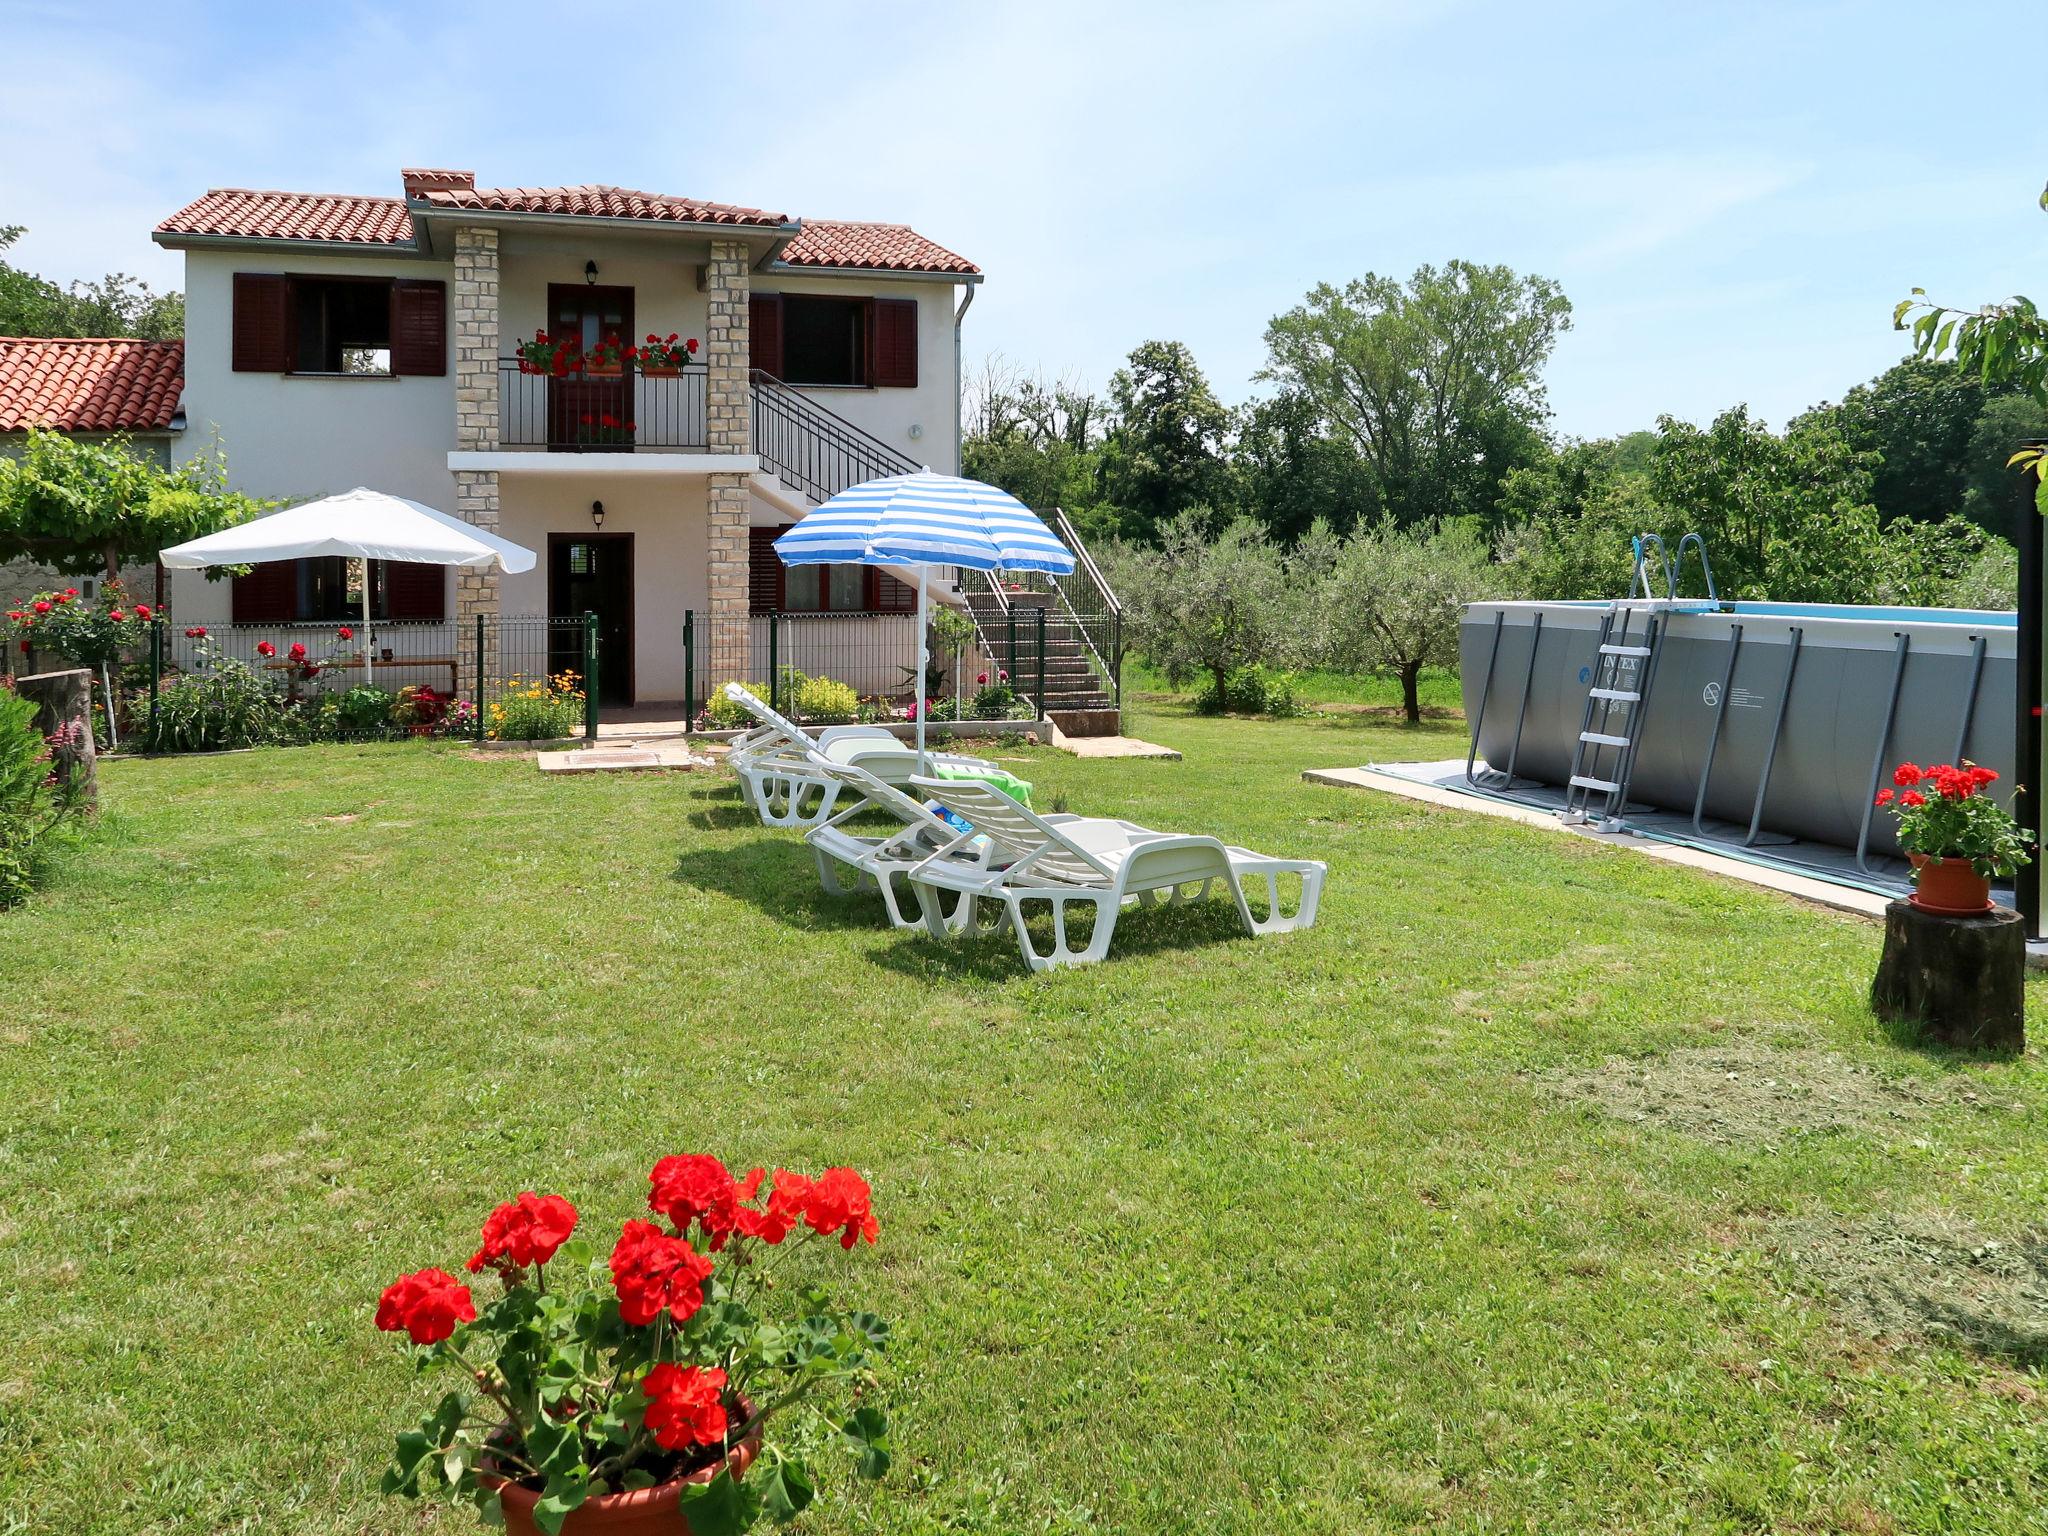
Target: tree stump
<point>1962,979</point>
<point>63,703</point>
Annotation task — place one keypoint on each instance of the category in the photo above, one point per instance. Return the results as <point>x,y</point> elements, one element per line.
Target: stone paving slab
<point>620,759</point>
<point>1111,746</point>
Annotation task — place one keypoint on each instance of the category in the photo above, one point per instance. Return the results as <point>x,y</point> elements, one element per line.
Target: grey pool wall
<point>1827,697</point>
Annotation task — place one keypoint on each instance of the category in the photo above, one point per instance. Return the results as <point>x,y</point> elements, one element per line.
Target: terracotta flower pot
<point>643,1512</point>
<point>1950,886</point>
<point>661,373</point>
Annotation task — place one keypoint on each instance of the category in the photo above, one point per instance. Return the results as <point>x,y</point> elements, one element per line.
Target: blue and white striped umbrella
<point>923,520</point>
<point>926,519</point>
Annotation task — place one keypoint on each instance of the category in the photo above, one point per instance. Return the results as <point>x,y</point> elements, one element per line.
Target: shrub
<point>577,1375</point>
<point>364,710</point>
<point>31,807</point>
<point>221,705</point>
<point>535,708</point>
<point>994,701</point>
<point>1251,691</point>
<point>824,701</point>
<point>722,714</point>
<point>419,705</point>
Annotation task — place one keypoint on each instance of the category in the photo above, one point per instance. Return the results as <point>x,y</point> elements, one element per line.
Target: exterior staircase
<point>809,454</point>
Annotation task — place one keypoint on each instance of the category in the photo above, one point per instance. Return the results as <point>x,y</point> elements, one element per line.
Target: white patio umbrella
<point>922,520</point>
<point>357,525</point>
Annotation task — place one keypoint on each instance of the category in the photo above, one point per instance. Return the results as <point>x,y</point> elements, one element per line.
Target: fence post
<point>1010,643</point>
<point>156,673</point>
<point>1039,697</point>
<point>774,669</point>
<point>478,701</point>
<point>590,677</point>
<point>689,669</point>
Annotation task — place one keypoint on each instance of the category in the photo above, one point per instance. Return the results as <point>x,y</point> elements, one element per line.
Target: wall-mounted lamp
<point>590,273</point>
<point>916,430</point>
<point>597,514</point>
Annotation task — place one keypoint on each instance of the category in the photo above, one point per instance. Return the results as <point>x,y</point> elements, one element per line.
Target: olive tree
<point>1207,605</point>
<point>1392,598</point>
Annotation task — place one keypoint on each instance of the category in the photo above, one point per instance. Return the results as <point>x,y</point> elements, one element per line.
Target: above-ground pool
<point>1758,721</point>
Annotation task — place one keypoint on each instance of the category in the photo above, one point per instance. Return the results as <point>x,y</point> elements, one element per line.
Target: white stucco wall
<point>291,437</point>
<point>889,414</point>
<point>666,516</point>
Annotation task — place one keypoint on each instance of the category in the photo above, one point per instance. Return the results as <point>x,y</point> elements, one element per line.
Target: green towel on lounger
<point>1017,789</point>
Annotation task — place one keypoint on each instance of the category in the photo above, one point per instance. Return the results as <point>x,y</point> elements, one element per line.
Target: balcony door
<point>586,410</point>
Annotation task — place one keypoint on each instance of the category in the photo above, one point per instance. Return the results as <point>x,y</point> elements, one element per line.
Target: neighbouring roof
<point>876,247</point>
<point>91,385</point>
<point>233,213</point>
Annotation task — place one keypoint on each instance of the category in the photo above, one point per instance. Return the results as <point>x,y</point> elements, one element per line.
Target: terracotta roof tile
<point>387,221</point>
<point>598,202</point>
<point>294,216</point>
<point>89,385</point>
<point>877,247</point>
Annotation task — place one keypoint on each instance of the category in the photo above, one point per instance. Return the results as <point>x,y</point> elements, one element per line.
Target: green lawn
<point>1354,1230</point>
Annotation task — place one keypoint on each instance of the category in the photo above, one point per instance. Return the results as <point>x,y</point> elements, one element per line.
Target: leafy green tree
<point>1436,382</point>
<point>86,507</point>
<point>1392,601</point>
<point>117,305</point>
<point>1569,518</point>
<point>1292,472</point>
<point>1201,605</point>
<point>1995,496</point>
<point>1918,417</point>
<point>1166,449</point>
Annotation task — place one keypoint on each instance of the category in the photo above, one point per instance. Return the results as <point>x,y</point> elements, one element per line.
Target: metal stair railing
<point>810,448</point>
<point>1092,606</point>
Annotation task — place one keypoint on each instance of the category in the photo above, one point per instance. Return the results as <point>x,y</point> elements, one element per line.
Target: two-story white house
<point>343,340</point>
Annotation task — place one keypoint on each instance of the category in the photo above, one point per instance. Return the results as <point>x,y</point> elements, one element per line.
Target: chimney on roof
<point>418,183</point>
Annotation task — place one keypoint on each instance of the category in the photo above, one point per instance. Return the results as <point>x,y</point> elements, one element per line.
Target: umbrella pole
<point>369,662</point>
<point>924,768</point>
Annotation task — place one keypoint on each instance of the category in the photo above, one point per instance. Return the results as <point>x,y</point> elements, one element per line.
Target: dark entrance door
<point>593,573</point>
<point>589,410</point>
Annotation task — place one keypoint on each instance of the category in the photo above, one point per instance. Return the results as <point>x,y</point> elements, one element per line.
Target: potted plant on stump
<point>1957,836</point>
<point>633,1394</point>
<point>1953,964</point>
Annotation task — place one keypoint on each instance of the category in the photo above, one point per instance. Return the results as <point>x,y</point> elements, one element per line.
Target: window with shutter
<point>415,592</point>
<point>895,350</point>
<point>892,596</point>
<point>269,594</point>
<point>262,327</point>
<point>764,570</point>
<point>419,328</point>
<point>764,329</point>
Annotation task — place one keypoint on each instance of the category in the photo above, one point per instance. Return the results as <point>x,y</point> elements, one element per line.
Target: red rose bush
<point>583,1374</point>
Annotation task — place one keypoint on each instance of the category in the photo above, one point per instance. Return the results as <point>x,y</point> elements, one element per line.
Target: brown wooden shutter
<point>895,346</point>
<point>888,595</point>
<point>764,326</point>
<point>419,328</point>
<point>269,594</point>
<point>764,570</point>
<point>415,592</point>
<point>262,323</point>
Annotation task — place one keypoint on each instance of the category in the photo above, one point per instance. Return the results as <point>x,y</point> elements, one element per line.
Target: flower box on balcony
<point>664,358</point>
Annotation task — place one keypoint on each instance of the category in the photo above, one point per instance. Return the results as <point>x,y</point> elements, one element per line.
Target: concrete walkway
<point>1824,893</point>
<point>623,758</point>
<point>1110,746</point>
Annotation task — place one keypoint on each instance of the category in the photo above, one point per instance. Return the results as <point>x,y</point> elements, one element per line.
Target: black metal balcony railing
<point>589,413</point>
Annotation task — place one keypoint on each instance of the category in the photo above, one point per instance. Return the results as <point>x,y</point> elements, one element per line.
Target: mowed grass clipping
<point>1399,1223</point>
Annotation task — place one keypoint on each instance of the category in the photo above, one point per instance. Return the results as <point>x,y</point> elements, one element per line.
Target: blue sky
<point>1732,195</point>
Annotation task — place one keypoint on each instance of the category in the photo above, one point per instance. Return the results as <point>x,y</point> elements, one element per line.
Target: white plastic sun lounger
<point>879,861</point>
<point>1103,864</point>
<point>778,781</point>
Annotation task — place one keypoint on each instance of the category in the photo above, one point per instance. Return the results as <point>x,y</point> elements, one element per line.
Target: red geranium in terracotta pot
<point>633,1393</point>
<point>1956,835</point>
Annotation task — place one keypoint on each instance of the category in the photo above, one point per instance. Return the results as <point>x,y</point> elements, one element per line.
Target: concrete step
<point>1100,721</point>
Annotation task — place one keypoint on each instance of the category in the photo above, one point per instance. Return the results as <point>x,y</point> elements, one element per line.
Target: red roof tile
<point>598,202</point>
<point>877,247</point>
<point>89,385</point>
<point>293,216</point>
<point>840,243</point>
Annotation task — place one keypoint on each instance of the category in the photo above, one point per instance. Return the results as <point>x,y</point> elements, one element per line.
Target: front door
<point>593,573</point>
<point>591,410</point>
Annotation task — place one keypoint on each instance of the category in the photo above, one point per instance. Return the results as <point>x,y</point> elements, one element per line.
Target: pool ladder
<point>1625,666</point>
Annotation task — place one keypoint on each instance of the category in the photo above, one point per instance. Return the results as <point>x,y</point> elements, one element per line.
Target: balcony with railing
<point>586,411</point>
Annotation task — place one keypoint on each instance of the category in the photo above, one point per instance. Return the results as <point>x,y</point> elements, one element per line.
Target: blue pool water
<point>1974,618</point>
